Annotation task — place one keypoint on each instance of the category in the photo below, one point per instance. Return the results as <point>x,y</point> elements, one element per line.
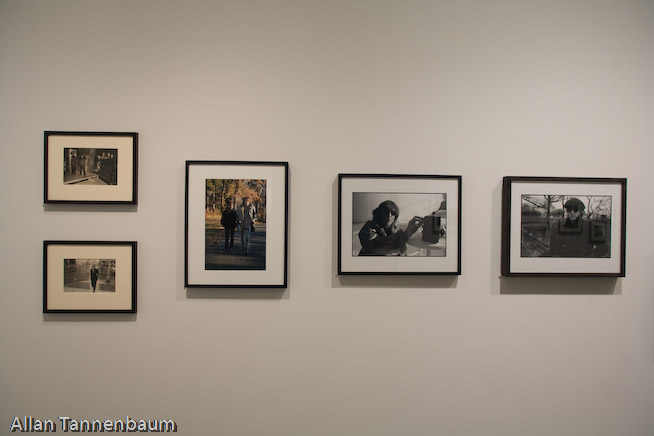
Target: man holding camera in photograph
<point>382,235</point>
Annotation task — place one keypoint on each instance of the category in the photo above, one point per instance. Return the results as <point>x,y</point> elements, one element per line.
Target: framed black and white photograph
<point>90,167</point>
<point>89,276</point>
<point>563,226</point>
<point>236,224</point>
<point>399,224</point>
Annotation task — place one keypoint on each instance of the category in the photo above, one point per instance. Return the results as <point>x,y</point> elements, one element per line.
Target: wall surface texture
<point>481,89</point>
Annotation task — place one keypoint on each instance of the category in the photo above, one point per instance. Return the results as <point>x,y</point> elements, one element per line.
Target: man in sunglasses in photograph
<point>382,236</point>
<point>571,237</point>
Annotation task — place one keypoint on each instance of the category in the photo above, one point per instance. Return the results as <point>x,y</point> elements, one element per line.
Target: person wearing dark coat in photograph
<point>382,236</point>
<point>571,237</point>
<point>95,273</point>
<point>82,165</point>
<point>229,220</point>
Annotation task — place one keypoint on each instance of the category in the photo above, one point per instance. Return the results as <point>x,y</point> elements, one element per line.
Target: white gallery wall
<point>481,89</point>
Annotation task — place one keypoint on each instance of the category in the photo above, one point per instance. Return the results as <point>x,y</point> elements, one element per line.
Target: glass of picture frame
<point>563,226</point>
<point>90,167</point>
<point>236,224</point>
<point>399,224</point>
<point>89,276</point>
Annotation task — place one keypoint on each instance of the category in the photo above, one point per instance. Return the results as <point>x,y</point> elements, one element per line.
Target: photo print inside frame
<point>90,166</point>
<point>404,224</point>
<point>89,275</point>
<point>235,224</point>
<point>566,226</point>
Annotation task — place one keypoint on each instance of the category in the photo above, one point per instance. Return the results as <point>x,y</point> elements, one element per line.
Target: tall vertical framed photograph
<point>90,167</point>
<point>89,276</point>
<point>236,224</point>
<point>399,224</point>
<point>563,226</point>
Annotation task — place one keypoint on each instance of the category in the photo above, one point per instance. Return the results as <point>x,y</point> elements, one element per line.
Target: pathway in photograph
<point>75,179</point>
<point>79,280</point>
<point>215,257</point>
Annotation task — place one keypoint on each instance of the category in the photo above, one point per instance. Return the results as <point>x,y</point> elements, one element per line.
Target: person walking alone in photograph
<point>246,215</point>
<point>229,220</point>
<point>82,165</point>
<point>95,273</point>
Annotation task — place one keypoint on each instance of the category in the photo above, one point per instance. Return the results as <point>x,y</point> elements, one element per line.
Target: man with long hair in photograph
<point>382,235</point>
<point>246,216</point>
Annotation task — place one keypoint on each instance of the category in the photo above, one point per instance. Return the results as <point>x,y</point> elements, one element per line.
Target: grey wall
<point>483,89</point>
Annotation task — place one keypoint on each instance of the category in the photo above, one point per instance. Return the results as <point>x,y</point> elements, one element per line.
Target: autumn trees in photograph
<point>220,191</point>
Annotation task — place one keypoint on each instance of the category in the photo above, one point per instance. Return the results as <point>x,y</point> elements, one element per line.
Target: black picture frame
<point>257,256</point>
<point>89,276</point>
<point>563,226</point>
<point>90,167</point>
<point>367,248</point>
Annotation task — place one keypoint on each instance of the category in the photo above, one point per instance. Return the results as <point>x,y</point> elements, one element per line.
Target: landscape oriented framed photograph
<point>399,224</point>
<point>90,167</point>
<point>89,276</point>
<point>236,224</point>
<point>563,226</point>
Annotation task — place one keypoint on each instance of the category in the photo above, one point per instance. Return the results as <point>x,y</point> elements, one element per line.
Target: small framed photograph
<point>89,276</point>
<point>563,226</point>
<point>90,167</point>
<point>399,224</point>
<point>236,224</point>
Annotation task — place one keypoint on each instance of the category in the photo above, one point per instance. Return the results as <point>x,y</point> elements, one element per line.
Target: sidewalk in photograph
<point>79,280</point>
<point>216,258</point>
<point>76,179</point>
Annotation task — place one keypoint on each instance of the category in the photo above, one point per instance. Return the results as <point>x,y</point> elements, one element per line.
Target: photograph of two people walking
<point>235,224</point>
